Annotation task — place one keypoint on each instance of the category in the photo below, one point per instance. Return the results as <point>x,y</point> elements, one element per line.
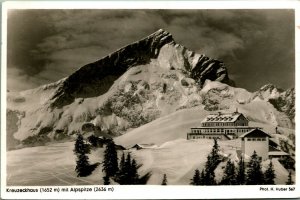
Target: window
<point>263,139</point>
<point>258,139</point>
<point>249,139</point>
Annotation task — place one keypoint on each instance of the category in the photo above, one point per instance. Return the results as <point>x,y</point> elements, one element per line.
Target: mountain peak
<point>95,79</point>
<point>270,87</point>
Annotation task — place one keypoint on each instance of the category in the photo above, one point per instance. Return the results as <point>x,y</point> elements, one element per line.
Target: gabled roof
<point>255,133</point>
<point>277,153</point>
<point>223,117</point>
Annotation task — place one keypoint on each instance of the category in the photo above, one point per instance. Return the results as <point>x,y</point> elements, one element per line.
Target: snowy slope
<point>178,159</point>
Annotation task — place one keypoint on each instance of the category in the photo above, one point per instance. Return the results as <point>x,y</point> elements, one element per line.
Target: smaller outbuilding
<point>256,140</point>
<point>143,146</point>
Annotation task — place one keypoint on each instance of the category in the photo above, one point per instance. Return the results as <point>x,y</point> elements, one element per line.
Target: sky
<point>257,46</point>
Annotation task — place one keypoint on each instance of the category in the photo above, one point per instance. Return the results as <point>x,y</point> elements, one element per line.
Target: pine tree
<point>110,163</point>
<point>120,176</point>
<point>134,173</point>
<point>229,177</point>
<point>289,181</point>
<point>80,146</point>
<point>270,175</point>
<point>202,177</point>
<point>215,157</point>
<point>82,165</point>
<point>196,178</point>
<point>106,180</point>
<point>209,171</point>
<point>240,177</point>
<point>254,172</point>
<point>164,181</point>
<point>82,162</point>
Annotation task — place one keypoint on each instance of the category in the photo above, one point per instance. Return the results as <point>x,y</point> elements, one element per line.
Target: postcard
<point>149,100</point>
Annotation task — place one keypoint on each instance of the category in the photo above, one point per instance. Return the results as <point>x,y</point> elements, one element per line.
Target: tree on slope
<point>164,181</point>
<point>290,181</point>
<point>229,177</point>
<point>202,177</point>
<point>196,178</point>
<point>128,172</point>
<point>80,146</point>
<point>240,177</point>
<point>209,178</point>
<point>255,175</point>
<point>83,167</point>
<point>270,175</point>
<point>110,163</point>
<point>215,157</point>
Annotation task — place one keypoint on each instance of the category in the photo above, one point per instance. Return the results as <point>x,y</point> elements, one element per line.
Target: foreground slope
<point>178,159</point>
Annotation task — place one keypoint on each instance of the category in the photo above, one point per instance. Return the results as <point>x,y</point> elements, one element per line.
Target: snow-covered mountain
<point>144,81</point>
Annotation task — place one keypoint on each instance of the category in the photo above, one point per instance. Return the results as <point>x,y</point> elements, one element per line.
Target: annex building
<point>224,126</point>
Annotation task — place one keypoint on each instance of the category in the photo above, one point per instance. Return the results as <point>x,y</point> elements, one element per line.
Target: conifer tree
<point>240,177</point>
<point>215,157</point>
<point>209,171</point>
<point>134,176</point>
<point>110,163</point>
<point>82,163</point>
<point>80,146</point>
<point>270,175</point>
<point>202,177</point>
<point>254,173</point>
<point>229,174</point>
<point>106,180</point>
<point>196,178</point>
<point>164,181</point>
<point>289,181</point>
<point>121,177</point>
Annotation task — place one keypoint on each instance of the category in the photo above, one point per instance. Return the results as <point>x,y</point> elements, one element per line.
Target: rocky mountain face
<point>283,101</point>
<point>96,78</point>
<point>137,84</point>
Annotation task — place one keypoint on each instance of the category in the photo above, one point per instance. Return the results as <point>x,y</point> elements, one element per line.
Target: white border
<point>149,191</point>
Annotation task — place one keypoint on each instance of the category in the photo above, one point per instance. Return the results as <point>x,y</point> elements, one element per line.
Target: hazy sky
<point>44,46</point>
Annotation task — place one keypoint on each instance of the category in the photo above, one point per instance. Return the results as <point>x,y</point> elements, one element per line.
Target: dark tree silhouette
<point>254,172</point>
<point>270,175</point>
<point>241,177</point>
<point>229,177</point>
<point>290,181</point>
<point>110,163</point>
<point>164,181</point>
<point>106,180</point>
<point>196,178</point>
<point>209,171</point>
<point>83,167</point>
<point>202,177</point>
<point>80,146</point>
<point>128,172</point>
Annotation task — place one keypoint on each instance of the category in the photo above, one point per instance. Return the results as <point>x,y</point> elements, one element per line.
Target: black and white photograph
<point>158,97</point>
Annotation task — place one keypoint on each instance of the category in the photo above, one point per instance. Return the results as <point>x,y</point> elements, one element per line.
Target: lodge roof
<point>255,133</point>
<point>277,153</point>
<point>222,117</point>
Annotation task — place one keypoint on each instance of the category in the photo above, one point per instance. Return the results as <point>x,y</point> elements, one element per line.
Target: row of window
<point>256,139</point>
<point>220,131</point>
<point>207,137</point>
<point>223,124</point>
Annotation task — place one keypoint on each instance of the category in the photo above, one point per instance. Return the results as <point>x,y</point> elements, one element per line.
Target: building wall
<point>206,136</point>
<point>261,147</point>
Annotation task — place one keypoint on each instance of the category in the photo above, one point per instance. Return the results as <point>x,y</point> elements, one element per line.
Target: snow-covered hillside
<point>177,158</point>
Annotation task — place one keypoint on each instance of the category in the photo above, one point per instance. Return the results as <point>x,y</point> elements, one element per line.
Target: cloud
<point>43,43</point>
